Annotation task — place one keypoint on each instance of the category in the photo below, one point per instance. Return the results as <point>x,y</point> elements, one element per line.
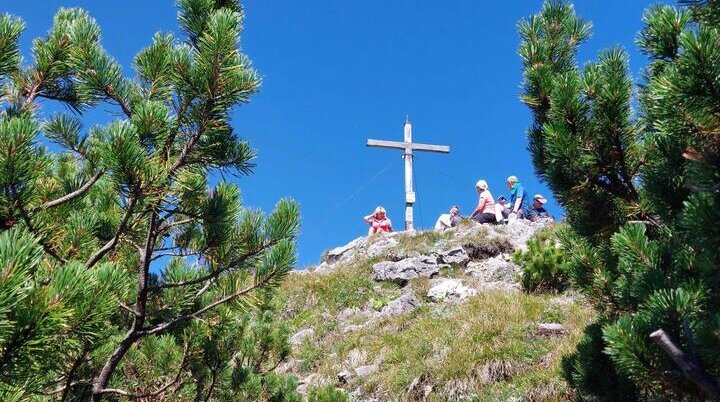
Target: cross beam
<point>408,146</point>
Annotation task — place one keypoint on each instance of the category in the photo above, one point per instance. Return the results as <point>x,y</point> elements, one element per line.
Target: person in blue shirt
<point>518,198</point>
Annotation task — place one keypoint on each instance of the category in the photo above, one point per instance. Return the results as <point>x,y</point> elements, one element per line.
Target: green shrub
<point>326,393</point>
<point>543,264</point>
<point>378,303</point>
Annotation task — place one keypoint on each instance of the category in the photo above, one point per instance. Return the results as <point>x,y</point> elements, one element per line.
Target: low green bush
<point>378,303</point>
<point>326,393</point>
<point>543,263</point>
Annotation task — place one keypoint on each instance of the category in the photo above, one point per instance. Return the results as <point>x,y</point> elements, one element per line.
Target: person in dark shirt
<point>538,210</point>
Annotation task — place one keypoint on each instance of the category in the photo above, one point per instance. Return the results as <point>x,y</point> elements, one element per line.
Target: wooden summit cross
<point>408,146</point>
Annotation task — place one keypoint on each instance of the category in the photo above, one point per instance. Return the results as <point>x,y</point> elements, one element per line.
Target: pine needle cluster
<point>125,272</point>
<point>637,168</point>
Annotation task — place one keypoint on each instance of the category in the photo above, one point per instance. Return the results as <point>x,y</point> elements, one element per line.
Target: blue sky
<point>338,72</point>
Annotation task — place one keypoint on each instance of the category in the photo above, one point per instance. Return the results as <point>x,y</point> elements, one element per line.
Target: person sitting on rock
<point>447,221</point>
<point>485,210</point>
<point>502,207</point>
<point>378,221</point>
<point>518,202</point>
<point>538,211</point>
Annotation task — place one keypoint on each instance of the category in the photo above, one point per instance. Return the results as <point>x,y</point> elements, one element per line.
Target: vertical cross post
<point>408,146</point>
<point>409,193</point>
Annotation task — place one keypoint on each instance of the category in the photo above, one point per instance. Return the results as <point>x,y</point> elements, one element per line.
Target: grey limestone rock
<point>364,371</point>
<point>301,335</point>
<point>402,304</point>
<point>338,253</point>
<point>380,243</point>
<point>455,256</point>
<point>552,328</point>
<point>402,271</point>
<point>350,314</point>
<point>451,290</point>
<point>353,328</point>
<point>495,269</point>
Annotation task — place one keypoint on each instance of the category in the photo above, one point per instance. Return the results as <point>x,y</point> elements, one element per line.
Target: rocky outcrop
<point>438,270</point>
<point>495,269</point>
<point>521,230</point>
<point>401,305</point>
<point>550,329</point>
<point>451,290</point>
<point>337,253</point>
<point>500,239</point>
<point>456,256</point>
<point>365,247</point>
<point>402,271</point>
<point>301,335</point>
<point>364,371</point>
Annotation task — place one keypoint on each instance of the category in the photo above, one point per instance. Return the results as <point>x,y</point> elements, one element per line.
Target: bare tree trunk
<point>690,369</point>
<point>103,379</point>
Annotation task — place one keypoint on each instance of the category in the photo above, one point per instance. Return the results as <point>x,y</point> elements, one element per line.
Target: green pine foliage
<point>641,187</point>
<point>544,263</point>
<point>123,273</point>
<point>327,393</point>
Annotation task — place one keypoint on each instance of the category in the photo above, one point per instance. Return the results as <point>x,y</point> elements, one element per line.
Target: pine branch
<point>205,288</point>
<point>625,174</point>
<point>189,145</point>
<point>180,112</point>
<point>110,93</point>
<point>64,387</point>
<point>126,308</point>
<point>28,222</point>
<point>703,189</point>
<point>137,395</point>
<point>271,368</point>
<point>176,224</point>
<point>121,229</point>
<point>160,328</point>
<point>690,369</point>
<point>213,381</point>
<point>207,109</point>
<point>175,211</point>
<point>71,373</point>
<point>71,196</point>
<point>32,93</point>
<point>214,274</point>
<point>188,254</point>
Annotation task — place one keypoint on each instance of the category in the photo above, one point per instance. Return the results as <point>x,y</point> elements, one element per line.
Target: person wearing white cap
<point>378,221</point>
<point>485,210</point>
<point>538,210</point>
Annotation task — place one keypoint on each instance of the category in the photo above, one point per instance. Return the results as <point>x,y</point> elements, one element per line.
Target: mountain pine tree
<point>124,274</point>
<point>641,189</point>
